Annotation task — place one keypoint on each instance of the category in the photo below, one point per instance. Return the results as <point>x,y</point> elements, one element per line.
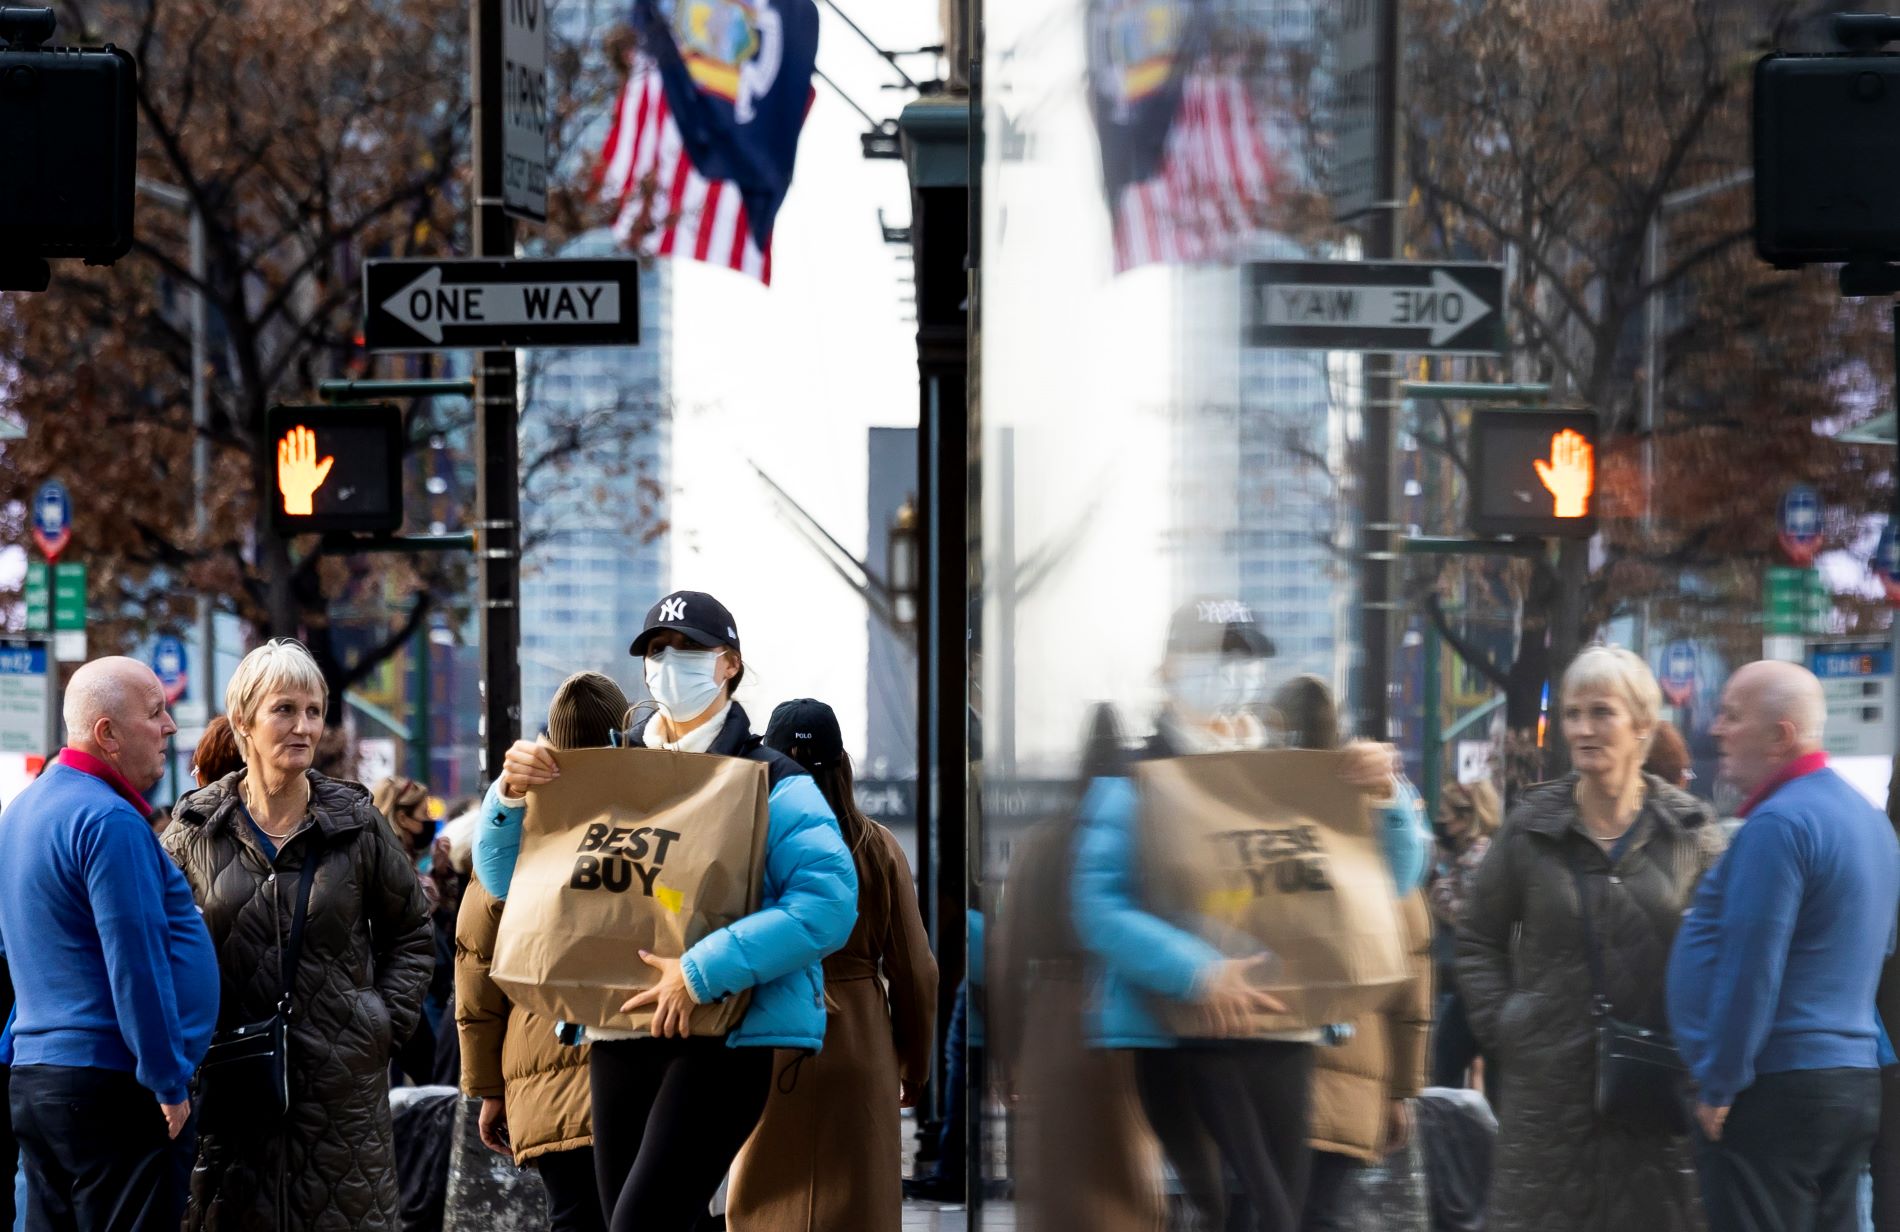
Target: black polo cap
<point>805,730</point>
<point>702,618</point>
<point>1217,626</point>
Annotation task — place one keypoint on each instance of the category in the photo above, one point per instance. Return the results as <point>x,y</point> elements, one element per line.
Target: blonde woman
<point>246,843</point>
<point>1601,862</point>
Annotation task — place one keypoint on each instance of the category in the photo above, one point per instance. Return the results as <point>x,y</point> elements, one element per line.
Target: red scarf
<point>1800,767</point>
<point>86,763</point>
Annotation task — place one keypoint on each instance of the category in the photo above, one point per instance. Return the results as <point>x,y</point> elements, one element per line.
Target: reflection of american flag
<point>1216,177</point>
<point>645,173</point>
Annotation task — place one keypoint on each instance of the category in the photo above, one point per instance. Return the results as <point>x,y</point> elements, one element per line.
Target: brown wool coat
<point>1354,1083</point>
<point>1085,1156</point>
<point>828,1153</point>
<point>1525,975</point>
<point>508,1051</point>
<point>367,957</point>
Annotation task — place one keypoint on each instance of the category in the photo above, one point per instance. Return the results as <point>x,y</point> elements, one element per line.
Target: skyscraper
<point>596,465</point>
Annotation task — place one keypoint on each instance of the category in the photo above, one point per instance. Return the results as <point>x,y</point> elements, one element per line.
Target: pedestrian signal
<point>1534,473</point>
<point>335,468</point>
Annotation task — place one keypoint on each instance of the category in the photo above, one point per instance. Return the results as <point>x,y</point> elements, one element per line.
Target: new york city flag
<point>737,76</point>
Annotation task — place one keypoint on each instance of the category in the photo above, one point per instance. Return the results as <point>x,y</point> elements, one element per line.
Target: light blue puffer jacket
<point>809,903</point>
<point>1139,954</point>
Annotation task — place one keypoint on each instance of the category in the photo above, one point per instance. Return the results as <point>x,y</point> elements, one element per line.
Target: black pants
<point>1454,1048</point>
<point>573,1193</point>
<point>1887,1154</point>
<point>1791,1153</point>
<point>669,1118</point>
<point>1242,1104</point>
<point>96,1154</point>
<point>1331,1199</point>
<point>9,1155</point>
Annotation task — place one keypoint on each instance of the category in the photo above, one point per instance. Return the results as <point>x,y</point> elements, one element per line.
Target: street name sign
<point>500,304</point>
<point>1416,307</point>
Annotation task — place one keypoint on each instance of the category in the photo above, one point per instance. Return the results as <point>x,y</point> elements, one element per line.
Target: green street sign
<point>39,597</point>
<point>69,596</point>
<point>1794,602</point>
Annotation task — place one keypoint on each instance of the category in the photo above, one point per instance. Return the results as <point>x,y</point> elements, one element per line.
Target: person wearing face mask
<point>671,1111</point>
<point>1219,1105</point>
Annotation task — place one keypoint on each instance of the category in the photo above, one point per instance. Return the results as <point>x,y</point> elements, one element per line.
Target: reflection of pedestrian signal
<point>1533,473</point>
<point>337,468</point>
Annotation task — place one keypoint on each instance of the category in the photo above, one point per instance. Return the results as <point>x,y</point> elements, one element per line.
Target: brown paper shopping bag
<point>1270,852</point>
<point>629,849</point>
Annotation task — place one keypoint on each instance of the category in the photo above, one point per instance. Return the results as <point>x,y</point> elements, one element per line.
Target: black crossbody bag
<point>244,1083</point>
<point>1642,1083</point>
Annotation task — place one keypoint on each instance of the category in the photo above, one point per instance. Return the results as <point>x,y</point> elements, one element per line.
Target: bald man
<point>1771,985</point>
<point>114,973</point>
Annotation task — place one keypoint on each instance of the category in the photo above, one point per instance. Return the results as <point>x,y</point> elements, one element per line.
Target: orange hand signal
<point>1571,473</point>
<point>299,473</point>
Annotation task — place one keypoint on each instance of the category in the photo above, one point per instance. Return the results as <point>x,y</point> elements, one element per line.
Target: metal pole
<point>1652,378</point>
<point>497,444</point>
<point>201,455</point>
<point>1378,447</point>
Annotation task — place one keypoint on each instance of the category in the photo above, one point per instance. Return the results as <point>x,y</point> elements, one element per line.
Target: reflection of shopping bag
<point>1271,852</point>
<point>629,849</point>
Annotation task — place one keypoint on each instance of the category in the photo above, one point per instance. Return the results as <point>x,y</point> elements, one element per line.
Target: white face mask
<point>683,681</point>
<point>1205,685</point>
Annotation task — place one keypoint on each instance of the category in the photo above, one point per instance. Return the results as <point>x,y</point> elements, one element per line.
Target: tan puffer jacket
<point>1383,1061</point>
<point>510,1052</point>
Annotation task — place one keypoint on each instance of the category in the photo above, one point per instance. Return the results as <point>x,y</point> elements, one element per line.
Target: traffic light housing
<point>335,468</point>
<point>1827,152</point>
<point>68,146</point>
<point>1534,473</point>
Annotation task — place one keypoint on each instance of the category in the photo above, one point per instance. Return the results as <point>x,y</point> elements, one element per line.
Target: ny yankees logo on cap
<point>694,614</point>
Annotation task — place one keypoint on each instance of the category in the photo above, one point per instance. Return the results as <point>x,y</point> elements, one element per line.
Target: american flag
<point>1216,178</point>
<point>645,173</point>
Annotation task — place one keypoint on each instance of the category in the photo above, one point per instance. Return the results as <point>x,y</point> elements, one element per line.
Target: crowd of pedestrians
<point>1673,1016</point>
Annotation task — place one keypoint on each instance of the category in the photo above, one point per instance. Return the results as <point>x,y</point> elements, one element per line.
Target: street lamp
<point>178,199</point>
<point>1655,243</point>
<point>901,564</point>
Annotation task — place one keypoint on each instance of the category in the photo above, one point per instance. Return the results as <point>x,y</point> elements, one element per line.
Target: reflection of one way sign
<point>1449,308</point>
<point>473,304</point>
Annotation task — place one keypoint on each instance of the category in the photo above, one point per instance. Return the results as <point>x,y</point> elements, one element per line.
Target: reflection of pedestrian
<point>116,979</point>
<point>1363,1085</point>
<point>1635,847</point>
<point>828,1153</point>
<point>246,844</point>
<point>1084,1157</point>
<point>1772,986</point>
<point>1469,814</point>
<point>1248,1096</point>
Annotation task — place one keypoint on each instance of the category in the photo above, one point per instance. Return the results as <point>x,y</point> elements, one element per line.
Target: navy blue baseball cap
<point>702,619</point>
<point>806,730</point>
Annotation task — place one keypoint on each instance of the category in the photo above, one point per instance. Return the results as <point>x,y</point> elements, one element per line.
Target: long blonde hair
<point>1486,812</point>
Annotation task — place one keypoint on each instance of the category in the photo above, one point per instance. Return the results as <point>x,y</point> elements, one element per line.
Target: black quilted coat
<point>367,958</point>
<point>1525,977</point>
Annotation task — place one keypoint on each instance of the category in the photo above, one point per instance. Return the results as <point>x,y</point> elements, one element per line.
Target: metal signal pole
<point>497,441</point>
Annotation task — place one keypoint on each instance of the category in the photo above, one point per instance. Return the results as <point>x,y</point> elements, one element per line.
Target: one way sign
<point>454,305</point>
<point>1439,308</point>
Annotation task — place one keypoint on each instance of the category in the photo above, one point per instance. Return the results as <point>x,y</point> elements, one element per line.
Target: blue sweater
<point>112,965</point>
<point>1775,965</point>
